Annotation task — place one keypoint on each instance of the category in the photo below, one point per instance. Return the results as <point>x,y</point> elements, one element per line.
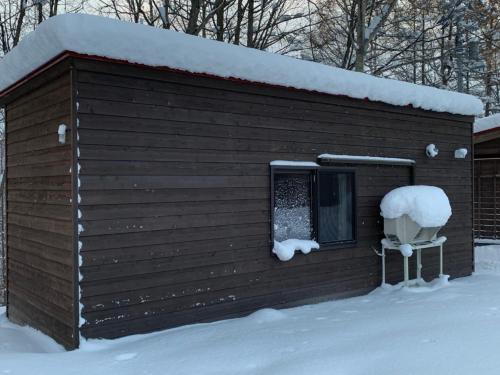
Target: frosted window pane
<point>292,206</point>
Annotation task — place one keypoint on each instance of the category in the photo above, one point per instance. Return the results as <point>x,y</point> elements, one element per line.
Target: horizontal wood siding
<point>40,246</point>
<point>488,149</point>
<point>175,196</point>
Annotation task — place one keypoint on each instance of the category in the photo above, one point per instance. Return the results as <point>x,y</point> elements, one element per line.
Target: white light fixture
<point>431,150</point>
<point>460,153</point>
<point>62,133</point>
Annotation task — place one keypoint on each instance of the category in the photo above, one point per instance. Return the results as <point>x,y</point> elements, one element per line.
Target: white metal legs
<point>383,265</point>
<point>441,260</point>
<point>419,264</point>
<point>407,273</point>
<point>418,248</point>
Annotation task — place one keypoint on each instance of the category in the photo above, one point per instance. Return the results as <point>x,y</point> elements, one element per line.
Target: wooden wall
<point>486,194</point>
<point>175,194</point>
<point>40,247</point>
<point>488,149</point>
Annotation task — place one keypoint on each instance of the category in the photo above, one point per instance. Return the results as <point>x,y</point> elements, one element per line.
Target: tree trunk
<point>39,7</point>
<point>194,13</point>
<point>239,19</point>
<point>250,36</point>
<point>220,4</point>
<point>19,24</point>
<point>360,36</point>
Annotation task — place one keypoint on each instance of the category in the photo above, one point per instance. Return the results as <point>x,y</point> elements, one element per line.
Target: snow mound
<point>17,339</point>
<point>428,206</point>
<point>141,44</point>
<point>487,123</point>
<point>285,250</point>
<point>267,316</point>
<point>414,286</point>
<point>406,250</point>
<point>487,259</point>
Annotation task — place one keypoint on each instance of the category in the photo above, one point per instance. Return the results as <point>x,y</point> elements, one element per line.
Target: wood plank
<point>55,240</point>
<point>57,212</point>
<point>137,210</point>
<point>40,196</point>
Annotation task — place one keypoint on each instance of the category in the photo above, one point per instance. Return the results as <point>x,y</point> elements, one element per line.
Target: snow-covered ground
<point>438,329</point>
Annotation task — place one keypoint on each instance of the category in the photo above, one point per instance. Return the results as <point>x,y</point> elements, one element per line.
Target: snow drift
<point>285,250</point>
<point>140,44</point>
<point>428,206</point>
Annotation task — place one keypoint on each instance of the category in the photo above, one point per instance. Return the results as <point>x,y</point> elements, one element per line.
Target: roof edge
<point>42,68</point>
<point>71,54</point>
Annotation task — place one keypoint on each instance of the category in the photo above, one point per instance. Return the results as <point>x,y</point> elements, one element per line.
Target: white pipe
<point>383,265</point>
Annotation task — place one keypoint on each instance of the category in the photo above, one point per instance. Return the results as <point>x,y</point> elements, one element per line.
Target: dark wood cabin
<point>487,184</point>
<point>156,211</point>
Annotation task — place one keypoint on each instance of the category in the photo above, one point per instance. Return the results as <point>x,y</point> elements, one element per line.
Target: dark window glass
<point>336,206</point>
<point>292,206</point>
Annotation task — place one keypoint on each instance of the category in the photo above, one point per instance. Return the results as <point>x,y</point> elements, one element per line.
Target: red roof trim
<point>35,73</point>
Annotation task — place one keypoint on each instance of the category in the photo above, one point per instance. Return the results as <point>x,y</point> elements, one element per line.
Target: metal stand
<point>389,245</point>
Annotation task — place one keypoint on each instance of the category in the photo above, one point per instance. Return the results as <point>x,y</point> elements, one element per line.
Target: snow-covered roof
<point>487,123</point>
<point>141,44</point>
<point>428,206</point>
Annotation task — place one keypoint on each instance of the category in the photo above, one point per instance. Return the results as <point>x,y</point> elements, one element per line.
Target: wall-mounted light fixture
<point>460,153</point>
<point>431,150</point>
<point>62,133</point>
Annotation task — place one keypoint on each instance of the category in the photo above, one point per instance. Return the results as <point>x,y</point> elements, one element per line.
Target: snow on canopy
<point>428,206</point>
<point>487,123</point>
<point>141,44</point>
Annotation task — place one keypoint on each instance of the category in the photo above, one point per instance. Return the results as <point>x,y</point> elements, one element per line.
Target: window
<point>292,206</point>
<point>316,203</point>
<point>335,206</point>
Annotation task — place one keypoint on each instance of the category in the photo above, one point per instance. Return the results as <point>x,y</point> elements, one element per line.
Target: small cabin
<point>150,173</point>
<point>487,178</point>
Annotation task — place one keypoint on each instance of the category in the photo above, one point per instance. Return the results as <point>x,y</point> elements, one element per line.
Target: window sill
<point>337,246</point>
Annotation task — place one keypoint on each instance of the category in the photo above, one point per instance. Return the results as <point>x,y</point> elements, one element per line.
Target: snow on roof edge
<point>83,34</point>
<point>487,123</point>
<point>339,157</point>
<point>293,163</point>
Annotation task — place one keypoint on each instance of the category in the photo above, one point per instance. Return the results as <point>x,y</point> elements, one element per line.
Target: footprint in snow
<point>125,356</point>
<point>428,341</point>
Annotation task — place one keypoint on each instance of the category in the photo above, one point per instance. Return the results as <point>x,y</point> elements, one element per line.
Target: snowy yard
<point>438,329</point>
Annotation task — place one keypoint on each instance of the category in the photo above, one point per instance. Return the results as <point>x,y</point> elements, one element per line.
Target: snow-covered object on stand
<point>285,250</point>
<point>428,206</point>
<point>487,123</point>
<point>145,45</point>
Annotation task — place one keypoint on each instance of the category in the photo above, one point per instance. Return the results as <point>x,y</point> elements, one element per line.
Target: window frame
<point>297,170</point>
<point>314,172</point>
